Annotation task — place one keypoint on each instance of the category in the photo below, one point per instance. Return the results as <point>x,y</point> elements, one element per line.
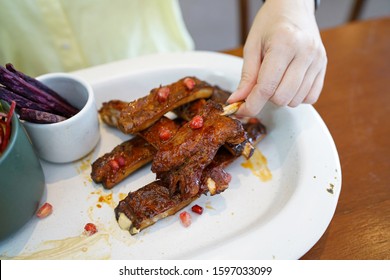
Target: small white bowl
<point>75,137</point>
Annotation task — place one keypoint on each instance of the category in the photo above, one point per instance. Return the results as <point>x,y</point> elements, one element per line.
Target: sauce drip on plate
<point>257,163</point>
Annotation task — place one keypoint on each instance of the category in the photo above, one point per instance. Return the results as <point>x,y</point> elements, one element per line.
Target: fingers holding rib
<point>271,73</point>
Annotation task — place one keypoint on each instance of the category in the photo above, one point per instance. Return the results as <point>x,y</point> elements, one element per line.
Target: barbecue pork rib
<point>147,205</point>
<point>111,110</point>
<point>154,202</point>
<point>179,162</point>
<point>113,167</point>
<point>190,110</point>
<point>143,112</point>
<point>124,159</point>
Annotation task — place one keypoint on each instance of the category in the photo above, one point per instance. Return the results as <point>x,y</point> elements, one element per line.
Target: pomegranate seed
<point>114,164</point>
<point>162,94</point>
<point>185,218</point>
<point>121,161</point>
<point>164,133</point>
<point>196,122</point>
<point>197,209</point>
<point>253,120</point>
<point>189,83</point>
<point>45,210</point>
<point>90,229</point>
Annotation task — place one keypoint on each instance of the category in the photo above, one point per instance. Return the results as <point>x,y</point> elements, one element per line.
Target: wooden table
<point>355,105</point>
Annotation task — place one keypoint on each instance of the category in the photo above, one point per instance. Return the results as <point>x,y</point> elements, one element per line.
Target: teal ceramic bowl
<point>22,180</point>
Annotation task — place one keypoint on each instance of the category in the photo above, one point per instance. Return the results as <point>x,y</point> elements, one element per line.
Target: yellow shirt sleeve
<point>44,36</point>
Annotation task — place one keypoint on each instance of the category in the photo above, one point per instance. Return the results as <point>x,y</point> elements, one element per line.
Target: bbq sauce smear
<point>257,163</point>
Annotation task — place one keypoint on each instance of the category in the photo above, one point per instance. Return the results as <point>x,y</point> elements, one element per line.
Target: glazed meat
<point>255,130</point>
<point>113,167</point>
<point>147,205</point>
<point>108,171</point>
<point>189,158</point>
<point>154,202</point>
<point>179,163</point>
<point>161,131</point>
<point>111,110</point>
<point>143,112</point>
<point>124,159</point>
<point>190,110</point>
<point>215,179</point>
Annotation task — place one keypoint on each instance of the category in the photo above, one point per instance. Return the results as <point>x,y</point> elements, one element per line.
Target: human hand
<point>284,58</point>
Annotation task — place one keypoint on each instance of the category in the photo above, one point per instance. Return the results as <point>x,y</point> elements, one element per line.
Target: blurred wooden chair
<point>243,7</point>
<point>357,9</point>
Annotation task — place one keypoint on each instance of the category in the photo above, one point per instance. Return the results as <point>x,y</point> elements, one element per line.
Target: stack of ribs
<point>189,158</point>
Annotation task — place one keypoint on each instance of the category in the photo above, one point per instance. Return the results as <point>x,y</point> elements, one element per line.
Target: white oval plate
<point>278,219</point>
